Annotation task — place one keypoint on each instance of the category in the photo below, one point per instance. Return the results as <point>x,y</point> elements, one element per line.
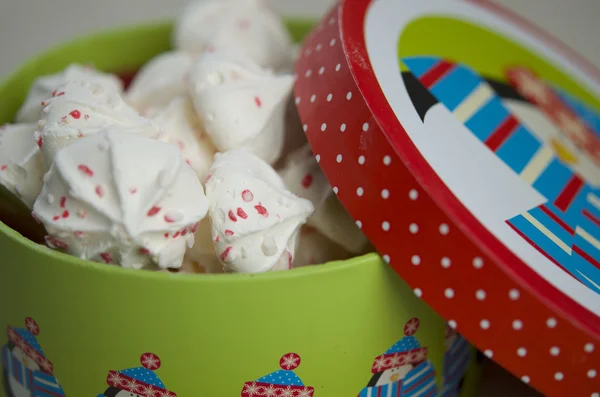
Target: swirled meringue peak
<point>180,126</point>
<point>241,104</point>
<point>255,220</point>
<point>303,176</point>
<point>244,26</point>
<point>80,108</point>
<point>159,81</point>
<point>21,164</point>
<point>120,198</point>
<point>43,87</point>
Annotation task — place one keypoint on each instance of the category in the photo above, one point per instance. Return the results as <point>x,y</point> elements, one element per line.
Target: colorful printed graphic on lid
<point>27,370</point>
<point>403,370</point>
<point>141,381</point>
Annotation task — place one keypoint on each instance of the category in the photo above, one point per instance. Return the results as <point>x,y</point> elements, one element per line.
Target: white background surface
<point>30,26</point>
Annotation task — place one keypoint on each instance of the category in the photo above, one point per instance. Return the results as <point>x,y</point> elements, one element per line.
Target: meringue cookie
<point>316,249</point>
<point>241,104</point>
<point>203,251</point>
<point>117,197</point>
<point>21,164</point>
<point>244,26</point>
<point>303,176</point>
<point>255,220</point>
<point>159,81</point>
<point>78,109</point>
<point>180,126</point>
<point>43,87</point>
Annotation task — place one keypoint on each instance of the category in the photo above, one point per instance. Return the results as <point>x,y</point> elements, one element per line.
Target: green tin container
<point>335,330</point>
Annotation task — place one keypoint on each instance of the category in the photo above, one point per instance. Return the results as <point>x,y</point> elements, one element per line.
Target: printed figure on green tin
<point>27,370</point>
<point>137,382</point>
<point>403,370</point>
<point>283,382</point>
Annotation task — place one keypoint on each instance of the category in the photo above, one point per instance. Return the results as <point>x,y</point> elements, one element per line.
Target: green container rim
<point>298,28</point>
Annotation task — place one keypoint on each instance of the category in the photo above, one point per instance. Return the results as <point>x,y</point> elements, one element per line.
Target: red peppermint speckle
<point>87,116</point>
<point>169,219</point>
<point>54,93</point>
<point>177,234</point>
<point>247,196</point>
<point>60,93</point>
<point>106,257</point>
<point>166,235</point>
<point>54,242</point>
<point>242,214</point>
<point>184,232</point>
<point>85,170</point>
<point>232,216</point>
<point>65,214</point>
<point>43,103</point>
<point>79,234</point>
<point>133,191</point>
<point>3,168</point>
<point>153,211</point>
<point>228,233</point>
<point>99,191</point>
<point>35,218</point>
<point>189,162</point>
<point>40,141</point>
<point>225,253</point>
<point>63,202</point>
<point>82,214</point>
<point>144,251</point>
<point>217,239</point>
<point>258,101</point>
<point>195,227</point>
<point>290,260</point>
<point>208,178</point>
<point>307,181</point>
<point>262,210</point>
<point>76,114</point>
<point>57,217</point>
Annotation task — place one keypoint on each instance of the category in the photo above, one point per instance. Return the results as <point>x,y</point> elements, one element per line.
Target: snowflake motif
<point>306,392</point>
<point>133,386</point>
<point>414,356</point>
<point>150,361</point>
<point>115,379</point>
<point>396,360</point>
<point>291,361</point>
<point>380,364</point>
<point>287,392</point>
<point>32,326</point>
<point>252,389</point>
<point>46,365</point>
<point>411,327</point>
<point>270,391</point>
<point>26,349</point>
<point>421,355</point>
<point>167,393</point>
<point>150,391</point>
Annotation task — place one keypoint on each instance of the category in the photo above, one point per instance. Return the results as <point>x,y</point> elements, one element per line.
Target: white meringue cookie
<point>316,249</point>
<point>81,108</point>
<point>243,26</point>
<point>117,197</point>
<point>303,176</point>
<point>43,87</point>
<point>203,251</point>
<point>181,127</point>
<point>159,81</point>
<point>241,105</point>
<point>21,164</point>
<point>255,220</point>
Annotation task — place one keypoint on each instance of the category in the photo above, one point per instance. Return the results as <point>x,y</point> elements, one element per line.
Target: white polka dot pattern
<point>499,313</point>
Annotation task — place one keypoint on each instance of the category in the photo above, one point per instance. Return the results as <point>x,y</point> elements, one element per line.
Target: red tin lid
<point>464,143</point>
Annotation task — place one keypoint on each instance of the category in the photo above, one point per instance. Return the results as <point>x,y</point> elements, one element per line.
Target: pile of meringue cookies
<point>198,167</point>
